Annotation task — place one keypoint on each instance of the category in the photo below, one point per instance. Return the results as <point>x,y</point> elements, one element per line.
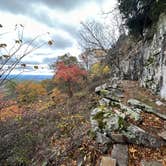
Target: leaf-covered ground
<point>50,134</point>
<point>151,123</point>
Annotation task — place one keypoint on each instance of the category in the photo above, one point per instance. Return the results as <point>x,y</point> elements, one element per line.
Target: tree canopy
<point>69,74</point>
<point>140,14</point>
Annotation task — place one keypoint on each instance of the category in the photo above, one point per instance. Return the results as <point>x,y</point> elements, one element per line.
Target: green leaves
<point>141,14</point>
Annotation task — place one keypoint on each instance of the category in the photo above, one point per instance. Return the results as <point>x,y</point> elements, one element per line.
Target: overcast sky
<point>59,17</point>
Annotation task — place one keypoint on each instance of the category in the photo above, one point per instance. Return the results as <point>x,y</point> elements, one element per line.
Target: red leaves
<point>69,73</point>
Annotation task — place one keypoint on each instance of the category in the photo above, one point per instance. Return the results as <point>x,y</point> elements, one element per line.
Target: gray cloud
<point>31,9</point>
<point>14,6</point>
<point>22,6</point>
<point>63,4</point>
<point>30,62</point>
<point>61,42</point>
<point>41,16</point>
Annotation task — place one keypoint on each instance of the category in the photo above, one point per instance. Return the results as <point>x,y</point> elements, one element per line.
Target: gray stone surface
<point>133,113</point>
<point>101,87</point>
<point>144,107</point>
<point>104,102</point>
<point>118,138</point>
<point>102,138</point>
<point>112,123</point>
<point>120,153</point>
<point>136,135</point>
<point>94,123</point>
<point>151,163</point>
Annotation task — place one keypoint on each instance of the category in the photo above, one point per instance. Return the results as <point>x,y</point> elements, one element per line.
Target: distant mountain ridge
<point>30,77</point>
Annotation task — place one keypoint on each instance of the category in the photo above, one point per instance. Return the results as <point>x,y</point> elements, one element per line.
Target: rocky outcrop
<point>154,70</point>
<point>112,121</point>
<point>145,60</point>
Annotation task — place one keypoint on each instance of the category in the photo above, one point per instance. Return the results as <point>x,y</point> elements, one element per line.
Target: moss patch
<point>104,92</point>
<point>122,124</point>
<point>100,117</point>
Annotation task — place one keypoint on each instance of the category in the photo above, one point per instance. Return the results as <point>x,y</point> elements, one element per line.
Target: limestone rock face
<point>146,60</point>
<point>154,71</point>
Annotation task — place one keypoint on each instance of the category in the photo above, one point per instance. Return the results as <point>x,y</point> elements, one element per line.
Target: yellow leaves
<point>132,150</point>
<point>29,91</point>
<point>98,70</point>
<point>57,96</point>
<point>106,70</point>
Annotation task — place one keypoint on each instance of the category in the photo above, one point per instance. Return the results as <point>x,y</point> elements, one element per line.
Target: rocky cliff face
<point>146,60</point>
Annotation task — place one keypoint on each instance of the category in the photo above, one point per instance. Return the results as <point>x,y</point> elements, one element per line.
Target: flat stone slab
<point>144,107</point>
<point>107,161</point>
<point>120,153</point>
<point>118,138</point>
<point>136,135</point>
<point>151,163</point>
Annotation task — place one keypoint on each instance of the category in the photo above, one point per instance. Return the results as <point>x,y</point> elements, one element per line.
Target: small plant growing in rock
<point>104,92</point>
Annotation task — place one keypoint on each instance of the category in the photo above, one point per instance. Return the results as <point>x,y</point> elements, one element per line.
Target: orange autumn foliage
<point>12,111</point>
<point>57,96</point>
<point>29,92</point>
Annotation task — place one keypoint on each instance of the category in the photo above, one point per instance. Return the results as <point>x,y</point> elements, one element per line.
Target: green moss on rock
<point>99,117</point>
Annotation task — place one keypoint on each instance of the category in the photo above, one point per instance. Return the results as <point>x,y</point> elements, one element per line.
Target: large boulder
<point>144,107</point>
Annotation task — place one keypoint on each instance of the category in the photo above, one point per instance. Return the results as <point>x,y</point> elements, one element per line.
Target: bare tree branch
<point>13,56</point>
